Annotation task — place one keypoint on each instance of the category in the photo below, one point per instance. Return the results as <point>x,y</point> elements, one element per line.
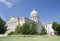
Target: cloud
<point>2,1</point>
<point>8,3</point>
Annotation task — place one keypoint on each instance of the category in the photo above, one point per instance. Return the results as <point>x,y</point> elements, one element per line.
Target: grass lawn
<point>31,38</point>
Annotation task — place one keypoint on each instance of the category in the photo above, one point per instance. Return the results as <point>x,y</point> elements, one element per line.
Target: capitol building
<point>13,21</point>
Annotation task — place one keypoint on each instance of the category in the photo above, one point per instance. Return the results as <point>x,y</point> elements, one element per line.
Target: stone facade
<point>49,29</point>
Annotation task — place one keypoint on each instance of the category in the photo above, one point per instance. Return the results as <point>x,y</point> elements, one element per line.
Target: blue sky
<point>48,10</point>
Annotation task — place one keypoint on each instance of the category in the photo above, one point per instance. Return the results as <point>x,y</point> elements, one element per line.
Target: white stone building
<point>49,29</point>
<point>13,21</point>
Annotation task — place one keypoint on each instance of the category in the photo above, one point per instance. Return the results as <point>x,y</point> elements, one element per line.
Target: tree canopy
<point>56,27</point>
<point>26,29</point>
<point>2,26</point>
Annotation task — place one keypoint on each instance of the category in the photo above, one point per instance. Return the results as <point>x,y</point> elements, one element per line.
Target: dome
<point>34,13</point>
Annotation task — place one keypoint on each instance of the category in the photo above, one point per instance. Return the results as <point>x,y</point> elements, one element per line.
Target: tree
<point>43,31</point>
<point>54,25</point>
<point>33,29</point>
<point>29,29</point>
<point>17,29</point>
<point>2,26</point>
<point>26,28</point>
<point>58,29</point>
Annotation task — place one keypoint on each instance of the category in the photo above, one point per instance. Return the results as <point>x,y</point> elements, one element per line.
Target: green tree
<point>25,28</point>
<point>58,29</point>
<point>17,29</point>
<point>2,26</point>
<point>29,29</point>
<point>43,31</point>
<point>54,25</point>
<point>33,29</point>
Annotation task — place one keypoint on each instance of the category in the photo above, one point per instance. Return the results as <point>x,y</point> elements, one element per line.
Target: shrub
<point>11,33</point>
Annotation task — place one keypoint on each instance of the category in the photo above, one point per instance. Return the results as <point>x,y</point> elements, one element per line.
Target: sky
<point>48,10</point>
